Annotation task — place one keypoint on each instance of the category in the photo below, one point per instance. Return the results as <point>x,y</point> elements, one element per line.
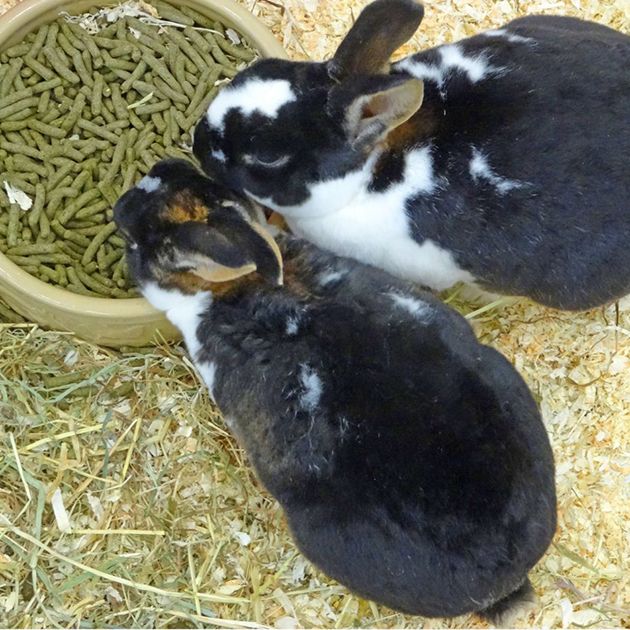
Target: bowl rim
<point>20,282</point>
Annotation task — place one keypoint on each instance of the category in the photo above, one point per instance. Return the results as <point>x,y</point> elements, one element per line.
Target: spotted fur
<point>526,129</point>
<point>410,460</point>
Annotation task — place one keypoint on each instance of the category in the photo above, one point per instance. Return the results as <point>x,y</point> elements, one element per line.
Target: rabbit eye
<point>266,162</point>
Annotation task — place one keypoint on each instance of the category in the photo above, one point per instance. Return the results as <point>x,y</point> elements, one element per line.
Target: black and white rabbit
<point>410,460</point>
<point>502,160</point>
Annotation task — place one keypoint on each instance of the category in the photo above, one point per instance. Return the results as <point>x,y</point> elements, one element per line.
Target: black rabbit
<point>502,160</point>
<point>411,461</point>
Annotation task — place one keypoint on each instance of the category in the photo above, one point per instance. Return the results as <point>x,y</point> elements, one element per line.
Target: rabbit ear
<point>372,107</point>
<point>381,28</point>
<point>227,248</point>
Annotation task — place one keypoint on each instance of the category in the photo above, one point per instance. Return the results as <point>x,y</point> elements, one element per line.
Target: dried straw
<point>124,501</point>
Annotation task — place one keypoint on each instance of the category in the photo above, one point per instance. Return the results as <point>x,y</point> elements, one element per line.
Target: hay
<point>125,502</point>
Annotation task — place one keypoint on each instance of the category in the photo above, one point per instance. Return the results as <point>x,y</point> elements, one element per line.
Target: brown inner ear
<point>398,104</point>
<point>213,272</point>
<point>372,116</point>
<point>277,220</point>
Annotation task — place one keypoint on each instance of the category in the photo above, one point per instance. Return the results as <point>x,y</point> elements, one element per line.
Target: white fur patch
<point>344,427</point>
<point>149,184</point>
<point>293,325</point>
<point>255,95</point>
<point>208,372</point>
<point>421,70</point>
<point>451,58</point>
<point>160,298</point>
<point>312,384</point>
<point>374,227</point>
<point>329,277</point>
<point>183,311</point>
<point>511,37</point>
<point>218,155</point>
<point>475,67</point>
<point>480,169</point>
<point>419,309</point>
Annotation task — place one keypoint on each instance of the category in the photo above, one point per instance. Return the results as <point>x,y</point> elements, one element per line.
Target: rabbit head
<point>318,125</point>
<point>186,233</point>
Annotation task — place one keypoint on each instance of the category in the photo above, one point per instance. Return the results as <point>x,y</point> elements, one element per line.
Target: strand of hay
<point>125,502</point>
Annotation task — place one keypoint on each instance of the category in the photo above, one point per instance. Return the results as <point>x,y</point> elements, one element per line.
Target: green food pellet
<point>169,12</point>
<point>97,131</point>
<point>61,275</point>
<point>14,222</point>
<point>8,111</point>
<point>162,106</point>
<point>9,99</point>
<point>39,68</point>
<point>46,273</point>
<point>38,42</point>
<point>44,225</point>
<point>44,102</point>
<point>81,68</point>
<point>21,115</point>
<point>51,36</point>
<point>75,112</point>
<point>49,130</point>
<point>38,206</point>
<point>15,65</point>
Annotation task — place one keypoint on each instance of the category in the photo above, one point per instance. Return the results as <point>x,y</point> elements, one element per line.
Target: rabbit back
<point>531,158</point>
<point>411,461</point>
<point>452,508</point>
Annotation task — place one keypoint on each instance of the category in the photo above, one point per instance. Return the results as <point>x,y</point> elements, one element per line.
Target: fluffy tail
<point>502,613</point>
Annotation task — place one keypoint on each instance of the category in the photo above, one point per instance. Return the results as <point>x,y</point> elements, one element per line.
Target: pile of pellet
<point>87,106</point>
